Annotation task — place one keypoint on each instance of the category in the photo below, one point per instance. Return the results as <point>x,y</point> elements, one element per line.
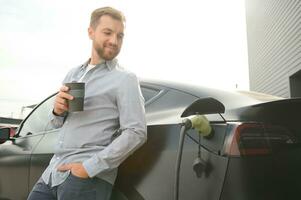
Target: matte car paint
<point>149,172</point>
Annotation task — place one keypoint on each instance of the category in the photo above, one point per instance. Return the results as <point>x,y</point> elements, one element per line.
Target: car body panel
<point>274,177</point>
<point>14,164</point>
<point>149,173</point>
<point>274,111</point>
<point>41,156</point>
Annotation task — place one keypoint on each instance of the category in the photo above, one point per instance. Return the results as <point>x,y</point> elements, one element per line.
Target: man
<point>88,151</point>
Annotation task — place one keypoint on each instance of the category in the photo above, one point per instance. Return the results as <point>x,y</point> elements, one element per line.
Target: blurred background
<point>197,42</point>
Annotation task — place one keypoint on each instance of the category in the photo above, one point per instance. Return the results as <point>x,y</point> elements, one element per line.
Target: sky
<point>197,42</point>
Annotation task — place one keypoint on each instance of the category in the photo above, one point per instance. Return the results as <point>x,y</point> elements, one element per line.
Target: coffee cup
<point>77,90</point>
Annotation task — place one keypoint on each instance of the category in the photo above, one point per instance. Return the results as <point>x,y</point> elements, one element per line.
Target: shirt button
<point>66,122</point>
<point>57,158</point>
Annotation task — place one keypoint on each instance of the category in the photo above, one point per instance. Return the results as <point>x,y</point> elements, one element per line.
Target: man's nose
<point>114,40</point>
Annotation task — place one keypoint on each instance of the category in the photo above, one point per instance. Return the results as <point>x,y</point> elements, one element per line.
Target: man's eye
<point>107,33</point>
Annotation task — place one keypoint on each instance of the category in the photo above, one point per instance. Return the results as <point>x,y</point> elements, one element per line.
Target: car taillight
<point>247,139</point>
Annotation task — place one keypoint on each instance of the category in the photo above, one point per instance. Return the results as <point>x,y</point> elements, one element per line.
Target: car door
<point>150,172</point>
<point>44,151</point>
<point>15,155</point>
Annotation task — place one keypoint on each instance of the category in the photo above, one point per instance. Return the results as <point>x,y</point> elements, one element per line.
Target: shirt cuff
<point>56,120</point>
<point>93,166</point>
<point>62,115</point>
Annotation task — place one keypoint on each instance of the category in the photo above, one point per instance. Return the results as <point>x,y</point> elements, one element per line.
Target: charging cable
<point>201,124</point>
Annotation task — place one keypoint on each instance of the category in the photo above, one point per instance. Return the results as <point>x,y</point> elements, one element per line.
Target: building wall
<point>274,46</point>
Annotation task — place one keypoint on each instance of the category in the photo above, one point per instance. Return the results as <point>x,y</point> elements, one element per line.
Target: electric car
<point>253,150</point>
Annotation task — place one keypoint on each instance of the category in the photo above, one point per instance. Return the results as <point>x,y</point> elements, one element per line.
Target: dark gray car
<point>253,153</point>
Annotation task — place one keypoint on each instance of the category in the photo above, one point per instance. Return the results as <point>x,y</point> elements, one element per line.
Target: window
<point>295,84</point>
<point>38,121</point>
<point>148,93</point>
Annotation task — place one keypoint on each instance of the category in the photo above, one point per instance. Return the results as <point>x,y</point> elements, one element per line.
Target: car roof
<point>230,99</point>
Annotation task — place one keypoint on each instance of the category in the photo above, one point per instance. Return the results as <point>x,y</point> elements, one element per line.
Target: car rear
<point>255,151</point>
<point>263,147</point>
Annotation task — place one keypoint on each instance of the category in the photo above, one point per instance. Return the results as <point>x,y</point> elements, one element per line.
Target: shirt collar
<point>110,64</point>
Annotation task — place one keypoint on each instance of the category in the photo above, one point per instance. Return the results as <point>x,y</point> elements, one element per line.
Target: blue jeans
<point>73,188</point>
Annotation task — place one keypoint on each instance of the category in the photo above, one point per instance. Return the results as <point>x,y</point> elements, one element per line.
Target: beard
<point>105,53</point>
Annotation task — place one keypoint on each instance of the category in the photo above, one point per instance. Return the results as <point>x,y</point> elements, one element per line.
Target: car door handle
<point>29,133</point>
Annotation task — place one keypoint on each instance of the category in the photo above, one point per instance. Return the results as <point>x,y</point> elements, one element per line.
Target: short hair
<point>99,12</point>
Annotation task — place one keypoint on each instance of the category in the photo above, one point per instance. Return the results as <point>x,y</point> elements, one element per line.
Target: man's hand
<point>77,169</point>
<point>61,104</point>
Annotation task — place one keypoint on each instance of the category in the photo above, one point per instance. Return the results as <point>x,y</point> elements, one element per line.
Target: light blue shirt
<point>113,101</point>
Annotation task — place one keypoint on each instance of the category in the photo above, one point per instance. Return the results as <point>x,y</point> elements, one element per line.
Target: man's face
<point>107,37</point>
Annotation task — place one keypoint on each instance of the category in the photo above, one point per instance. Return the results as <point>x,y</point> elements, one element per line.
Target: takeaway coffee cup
<point>77,90</point>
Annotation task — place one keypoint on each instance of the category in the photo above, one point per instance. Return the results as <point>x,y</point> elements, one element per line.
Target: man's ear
<point>91,33</point>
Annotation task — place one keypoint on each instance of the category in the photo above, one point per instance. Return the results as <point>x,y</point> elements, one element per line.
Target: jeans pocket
<point>78,183</point>
<point>77,188</point>
<point>78,178</point>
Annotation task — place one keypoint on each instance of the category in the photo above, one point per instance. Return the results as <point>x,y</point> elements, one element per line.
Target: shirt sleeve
<point>56,121</point>
<point>132,121</point>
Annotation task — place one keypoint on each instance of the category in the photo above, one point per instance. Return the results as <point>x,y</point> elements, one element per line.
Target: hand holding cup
<point>77,91</point>
<point>61,104</point>
<point>70,98</point>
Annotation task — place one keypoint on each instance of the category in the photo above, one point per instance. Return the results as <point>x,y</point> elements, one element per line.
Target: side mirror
<point>4,134</point>
<point>204,106</point>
